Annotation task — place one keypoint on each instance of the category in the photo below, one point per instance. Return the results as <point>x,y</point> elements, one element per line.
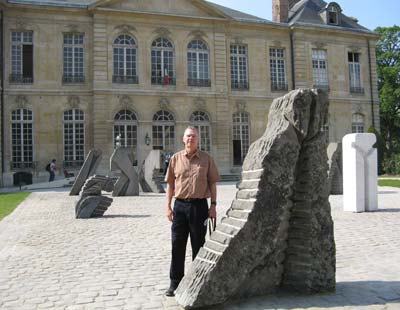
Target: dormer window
<point>333,16</point>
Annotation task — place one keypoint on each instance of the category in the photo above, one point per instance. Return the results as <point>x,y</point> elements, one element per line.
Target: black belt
<point>190,199</point>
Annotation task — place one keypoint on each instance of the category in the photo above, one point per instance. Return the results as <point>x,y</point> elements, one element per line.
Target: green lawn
<point>393,183</point>
<point>8,202</point>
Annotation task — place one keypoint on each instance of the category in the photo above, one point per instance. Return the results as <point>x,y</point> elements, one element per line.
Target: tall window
<point>21,57</point>
<point>320,70</point>
<point>357,124</point>
<point>355,73</point>
<point>125,126</point>
<point>197,58</point>
<point>201,122</point>
<point>241,137</point>
<point>125,60</point>
<point>277,69</point>
<point>239,78</point>
<point>73,58</point>
<point>163,131</point>
<point>162,62</point>
<point>74,138</point>
<point>22,139</point>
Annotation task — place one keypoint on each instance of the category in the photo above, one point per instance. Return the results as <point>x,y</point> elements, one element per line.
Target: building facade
<point>80,73</point>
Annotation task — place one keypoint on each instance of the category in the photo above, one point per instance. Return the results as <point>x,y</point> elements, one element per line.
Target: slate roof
<point>307,12</point>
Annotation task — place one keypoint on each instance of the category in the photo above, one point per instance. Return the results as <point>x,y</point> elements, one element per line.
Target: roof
<point>237,15</point>
<point>62,3</point>
<point>308,12</point>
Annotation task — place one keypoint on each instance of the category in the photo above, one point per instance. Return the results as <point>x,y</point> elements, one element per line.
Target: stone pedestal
<point>360,173</point>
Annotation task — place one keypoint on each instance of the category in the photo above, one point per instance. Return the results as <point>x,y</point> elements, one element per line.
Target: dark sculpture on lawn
<point>278,232</point>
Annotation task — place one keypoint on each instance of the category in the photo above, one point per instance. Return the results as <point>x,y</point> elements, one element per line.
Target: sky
<point>370,13</point>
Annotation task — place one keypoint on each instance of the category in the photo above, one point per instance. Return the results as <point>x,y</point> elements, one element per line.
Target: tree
<point>388,60</point>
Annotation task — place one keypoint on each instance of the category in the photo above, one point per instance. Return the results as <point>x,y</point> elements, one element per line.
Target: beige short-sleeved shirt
<point>192,175</point>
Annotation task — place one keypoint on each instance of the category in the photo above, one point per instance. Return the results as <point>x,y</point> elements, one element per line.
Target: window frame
<point>195,77</point>
<point>277,68</point>
<point>163,119</point>
<point>242,120</point>
<point>21,114</point>
<point>357,123</point>
<point>201,121</point>
<point>75,162</point>
<point>74,77</point>
<point>128,50</point>
<point>319,57</point>
<point>17,62</point>
<point>125,123</point>
<point>355,73</point>
<point>238,61</point>
<point>166,58</point>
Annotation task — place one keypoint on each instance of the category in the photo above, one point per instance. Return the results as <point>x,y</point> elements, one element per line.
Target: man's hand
<point>170,214</point>
<point>212,212</point>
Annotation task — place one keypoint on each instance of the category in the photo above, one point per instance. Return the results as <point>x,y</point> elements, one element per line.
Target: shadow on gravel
<point>358,293</point>
<point>387,210</point>
<point>126,216</point>
<point>387,192</point>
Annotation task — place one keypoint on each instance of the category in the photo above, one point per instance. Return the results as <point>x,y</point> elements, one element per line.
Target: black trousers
<point>190,218</point>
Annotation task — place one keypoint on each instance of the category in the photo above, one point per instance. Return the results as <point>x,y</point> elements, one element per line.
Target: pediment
<point>196,8</point>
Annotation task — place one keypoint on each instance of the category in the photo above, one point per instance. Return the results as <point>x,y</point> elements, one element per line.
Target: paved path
<point>50,260</point>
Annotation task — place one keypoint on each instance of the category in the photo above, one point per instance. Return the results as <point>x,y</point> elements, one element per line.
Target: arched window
<point>197,62</point>
<point>333,15</point>
<point>201,121</point>
<point>162,62</point>
<point>22,139</point>
<point>125,126</point>
<point>241,136</point>
<point>74,138</point>
<point>163,131</point>
<point>125,60</point>
<point>357,123</point>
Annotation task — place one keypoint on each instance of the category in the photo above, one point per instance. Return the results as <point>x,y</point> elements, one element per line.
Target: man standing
<point>191,178</point>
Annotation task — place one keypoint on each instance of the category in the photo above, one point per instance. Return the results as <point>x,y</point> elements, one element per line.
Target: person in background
<point>52,170</point>
<point>191,178</point>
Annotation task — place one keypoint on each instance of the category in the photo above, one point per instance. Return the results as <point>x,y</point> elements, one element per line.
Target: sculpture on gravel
<point>278,232</point>
<point>128,182</point>
<point>88,169</point>
<point>91,203</point>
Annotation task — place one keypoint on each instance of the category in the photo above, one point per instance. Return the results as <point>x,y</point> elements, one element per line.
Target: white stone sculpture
<point>360,173</point>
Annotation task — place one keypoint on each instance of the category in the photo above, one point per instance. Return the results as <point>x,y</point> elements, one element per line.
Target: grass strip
<point>9,201</point>
<point>392,183</point>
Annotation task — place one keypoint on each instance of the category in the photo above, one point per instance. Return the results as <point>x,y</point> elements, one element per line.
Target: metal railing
<point>73,79</point>
<point>199,82</point>
<point>73,164</point>
<point>125,79</point>
<point>20,79</point>
<point>356,90</point>
<point>324,87</point>
<point>161,81</point>
<point>20,165</point>
<point>279,86</point>
<point>236,85</point>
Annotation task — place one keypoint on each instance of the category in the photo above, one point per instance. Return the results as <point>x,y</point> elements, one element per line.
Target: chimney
<point>280,10</point>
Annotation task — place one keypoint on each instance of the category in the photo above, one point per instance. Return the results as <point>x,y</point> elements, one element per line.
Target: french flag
<point>165,80</point>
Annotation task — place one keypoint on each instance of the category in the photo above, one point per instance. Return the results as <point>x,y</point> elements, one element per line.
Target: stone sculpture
<point>278,232</point>
<point>335,177</point>
<point>360,172</point>
<point>88,169</point>
<point>91,203</point>
<point>128,182</point>
<point>152,164</point>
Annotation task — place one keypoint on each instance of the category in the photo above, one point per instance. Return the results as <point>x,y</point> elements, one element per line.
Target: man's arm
<point>169,195</point>
<point>212,212</point>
